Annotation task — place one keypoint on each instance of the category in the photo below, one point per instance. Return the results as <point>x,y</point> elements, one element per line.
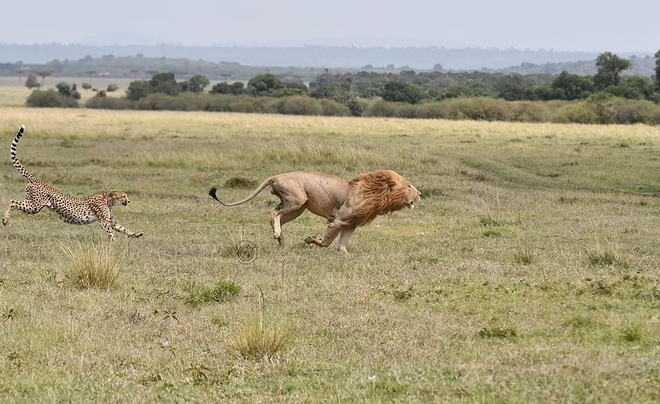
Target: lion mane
<point>345,204</point>
<point>378,193</point>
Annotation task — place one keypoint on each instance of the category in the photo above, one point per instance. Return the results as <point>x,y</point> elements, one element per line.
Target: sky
<point>565,25</point>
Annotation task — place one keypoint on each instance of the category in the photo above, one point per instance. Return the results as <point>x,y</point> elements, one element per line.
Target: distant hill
<point>641,66</point>
<point>420,58</point>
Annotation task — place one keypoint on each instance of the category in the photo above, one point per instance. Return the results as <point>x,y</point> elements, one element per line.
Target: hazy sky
<point>586,25</point>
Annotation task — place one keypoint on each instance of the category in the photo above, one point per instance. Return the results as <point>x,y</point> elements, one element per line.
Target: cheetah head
<point>117,198</point>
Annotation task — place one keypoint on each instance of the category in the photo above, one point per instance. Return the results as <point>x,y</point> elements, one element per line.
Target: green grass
<point>425,307</point>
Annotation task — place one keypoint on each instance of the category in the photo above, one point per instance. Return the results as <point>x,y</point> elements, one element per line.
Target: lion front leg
<point>330,235</point>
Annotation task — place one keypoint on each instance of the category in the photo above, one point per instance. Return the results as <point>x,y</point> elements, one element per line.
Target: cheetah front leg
<point>110,225</point>
<point>26,206</point>
<point>124,230</point>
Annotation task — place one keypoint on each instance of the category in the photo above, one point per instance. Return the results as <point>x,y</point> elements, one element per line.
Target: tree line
<point>358,94</point>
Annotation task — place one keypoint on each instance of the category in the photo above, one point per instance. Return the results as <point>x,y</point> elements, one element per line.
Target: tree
<point>43,74</point>
<point>513,87</point>
<point>609,67</point>
<point>197,83</point>
<point>570,87</point>
<point>66,90</point>
<point>32,82</point>
<point>138,89</point>
<point>91,74</point>
<point>264,84</point>
<point>634,87</point>
<point>63,88</point>
<point>164,83</point>
<point>221,88</point>
<point>398,91</point>
<point>657,70</point>
<point>238,88</point>
<point>437,67</point>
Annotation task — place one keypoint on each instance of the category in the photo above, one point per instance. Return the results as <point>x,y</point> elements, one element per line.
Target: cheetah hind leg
<point>26,206</point>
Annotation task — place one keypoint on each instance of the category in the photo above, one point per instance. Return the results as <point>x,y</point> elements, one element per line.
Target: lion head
<point>381,192</point>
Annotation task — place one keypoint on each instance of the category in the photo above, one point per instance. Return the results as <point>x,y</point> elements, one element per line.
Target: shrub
<point>299,105</point>
<point>431,110</point>
<point>530,112</point>
<point>480,109</point>
<point>381,109</point>
<point>117,103</point>
<point>50,99</point>
<point>333,108</point>
<point>575,113</point>
<point>112,87</point>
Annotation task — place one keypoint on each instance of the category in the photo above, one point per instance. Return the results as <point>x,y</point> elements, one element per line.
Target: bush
<point>479,109</point>
<point>50,99</point>
<point>431,110</point>
<point>100,102</point>
<point>333,108</point>
<point>381,109</point>
<point>299,105</point>
<point>112,87</point>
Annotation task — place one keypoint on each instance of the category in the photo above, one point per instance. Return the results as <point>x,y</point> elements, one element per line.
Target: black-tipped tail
<point>212,194</point>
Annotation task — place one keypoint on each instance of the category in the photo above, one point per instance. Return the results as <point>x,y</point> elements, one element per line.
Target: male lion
<point>346,205</point>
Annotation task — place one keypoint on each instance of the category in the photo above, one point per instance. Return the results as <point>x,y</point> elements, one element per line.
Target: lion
<point>346,205</point>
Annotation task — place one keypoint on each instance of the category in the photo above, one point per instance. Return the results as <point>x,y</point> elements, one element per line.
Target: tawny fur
<point>346,205</point>
<point>69,208</point>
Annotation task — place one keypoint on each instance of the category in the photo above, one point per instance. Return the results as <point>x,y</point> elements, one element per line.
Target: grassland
<point>527,273</point>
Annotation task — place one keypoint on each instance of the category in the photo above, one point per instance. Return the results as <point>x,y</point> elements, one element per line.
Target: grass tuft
<point>525,255</point>
<point>240,182</point>
<point>221,292</point>
<point>498,332</point>
<point>603,254</point>
<point>91,265</point>
<point>632,333</point>
<point>257,338</point>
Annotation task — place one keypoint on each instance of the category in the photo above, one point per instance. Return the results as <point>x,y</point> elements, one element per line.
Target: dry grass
<point>91,265</point>
<point>260,337</point>
<point>424,308</point>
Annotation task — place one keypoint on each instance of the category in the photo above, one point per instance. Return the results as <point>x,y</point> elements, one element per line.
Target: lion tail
<point>261,187</point>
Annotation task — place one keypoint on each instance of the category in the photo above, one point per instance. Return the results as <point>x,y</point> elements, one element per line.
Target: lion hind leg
<point>280,216</point>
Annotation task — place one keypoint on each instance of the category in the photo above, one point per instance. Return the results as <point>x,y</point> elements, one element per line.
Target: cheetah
<point>70,209</point>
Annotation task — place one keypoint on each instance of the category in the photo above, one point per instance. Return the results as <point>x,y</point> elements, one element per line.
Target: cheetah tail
<point>15,160</point>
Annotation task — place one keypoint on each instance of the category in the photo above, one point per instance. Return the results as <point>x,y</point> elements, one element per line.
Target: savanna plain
<point>528,272</point>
